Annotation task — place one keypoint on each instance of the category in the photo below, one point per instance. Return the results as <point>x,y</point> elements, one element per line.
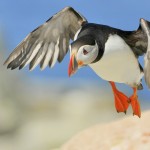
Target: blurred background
<point>41,110</point>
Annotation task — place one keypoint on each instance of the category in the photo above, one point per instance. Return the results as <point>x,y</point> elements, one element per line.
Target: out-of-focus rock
<point>130,133</point>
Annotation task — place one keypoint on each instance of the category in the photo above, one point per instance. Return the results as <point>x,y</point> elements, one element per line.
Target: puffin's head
<point>83,51</point>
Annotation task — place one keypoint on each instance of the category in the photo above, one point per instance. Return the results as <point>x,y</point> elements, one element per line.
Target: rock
<point>131,133</point>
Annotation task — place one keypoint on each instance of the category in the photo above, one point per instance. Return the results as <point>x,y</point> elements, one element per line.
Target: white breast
<point>118,63</point>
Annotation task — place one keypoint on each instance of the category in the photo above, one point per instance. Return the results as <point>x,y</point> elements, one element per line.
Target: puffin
<point>111,53</point>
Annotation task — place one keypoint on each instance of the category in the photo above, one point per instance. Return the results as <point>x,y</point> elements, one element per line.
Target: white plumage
<point>118,65</point>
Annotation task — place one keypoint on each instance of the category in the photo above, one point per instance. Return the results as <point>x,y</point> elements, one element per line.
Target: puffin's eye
<point>85,52</point>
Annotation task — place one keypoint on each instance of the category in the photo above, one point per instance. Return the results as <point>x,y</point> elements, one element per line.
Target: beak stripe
<point>73,65</point>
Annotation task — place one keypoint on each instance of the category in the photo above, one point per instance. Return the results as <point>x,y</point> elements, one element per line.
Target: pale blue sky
<point>19,17</point>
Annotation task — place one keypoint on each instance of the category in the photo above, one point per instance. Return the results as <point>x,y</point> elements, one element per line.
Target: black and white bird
<point>112,53</point>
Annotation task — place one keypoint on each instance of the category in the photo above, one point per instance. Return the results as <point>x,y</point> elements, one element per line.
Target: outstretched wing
<point>140,42</point>
<point>146,28</point>
<point>48,43</point>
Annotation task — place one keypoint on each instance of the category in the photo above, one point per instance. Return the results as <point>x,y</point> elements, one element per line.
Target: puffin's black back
<point>100,34</point>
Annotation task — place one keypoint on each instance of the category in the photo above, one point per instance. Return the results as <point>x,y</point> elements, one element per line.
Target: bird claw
<point>129,101</point>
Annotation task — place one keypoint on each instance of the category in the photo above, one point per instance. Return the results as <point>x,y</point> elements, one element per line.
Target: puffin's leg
<point>121,100</point>
<point>135,103</point>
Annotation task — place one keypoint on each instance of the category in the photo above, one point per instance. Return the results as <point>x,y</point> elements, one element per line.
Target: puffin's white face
<point>86,54</point>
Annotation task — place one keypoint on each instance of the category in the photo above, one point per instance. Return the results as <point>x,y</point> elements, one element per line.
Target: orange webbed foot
<point>121,100</point>
<point>135,103</point>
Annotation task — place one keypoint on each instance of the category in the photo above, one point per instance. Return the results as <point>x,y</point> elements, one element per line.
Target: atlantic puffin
<point>111,53</point>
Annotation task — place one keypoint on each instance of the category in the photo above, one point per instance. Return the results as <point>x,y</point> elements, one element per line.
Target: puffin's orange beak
<point>73,65</point>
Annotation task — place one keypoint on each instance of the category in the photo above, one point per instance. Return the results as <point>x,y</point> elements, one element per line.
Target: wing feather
<point>56,53</point>
<point>140,42</point>
<point>39,56</point>
<point>48,55</point>
<point>146,28</point>
<point>57,32</point>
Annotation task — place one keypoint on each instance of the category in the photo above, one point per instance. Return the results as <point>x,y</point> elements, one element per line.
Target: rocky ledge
<point>130,133</point>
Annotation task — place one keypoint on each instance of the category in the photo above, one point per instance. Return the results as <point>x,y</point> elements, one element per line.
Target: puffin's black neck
<point>95,33</point>
<point>100,33</point>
